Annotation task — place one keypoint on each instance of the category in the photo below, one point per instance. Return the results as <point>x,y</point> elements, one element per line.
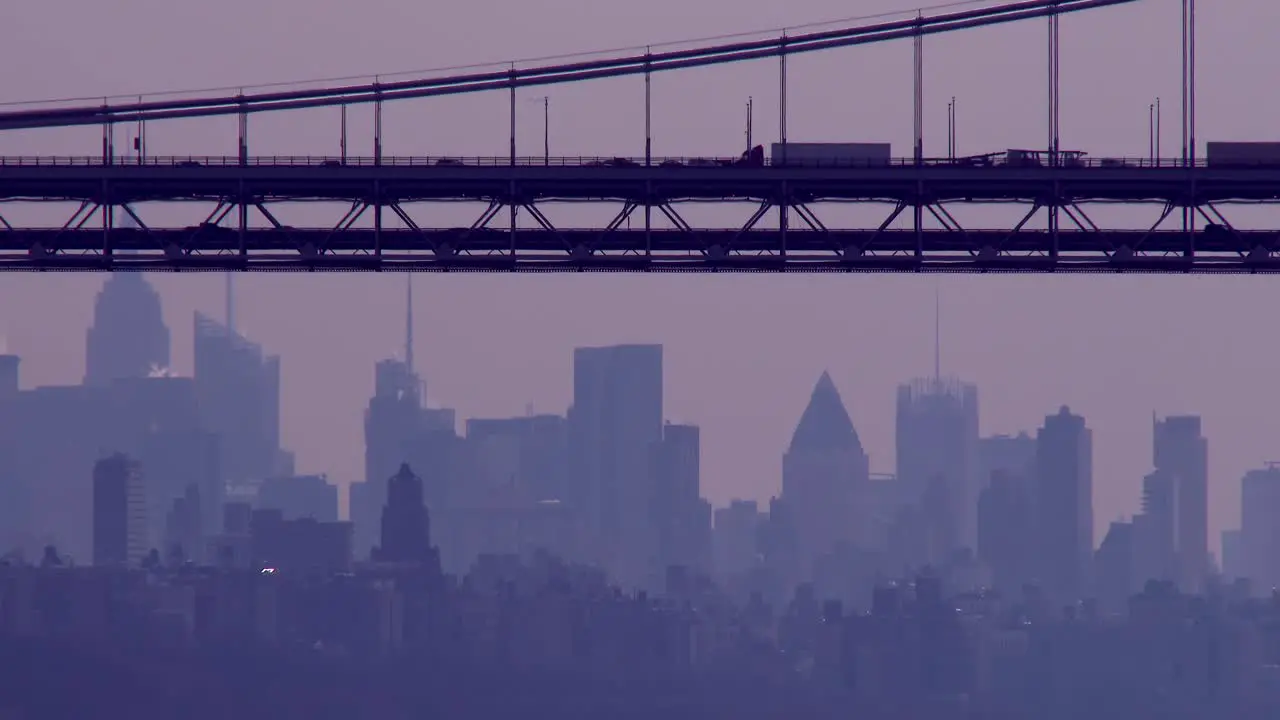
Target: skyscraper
<point>825,480</point>
<point>128,338</point>
<point>937,455</point>
<point>615,420</point>
<point>406,523</point>
<point>238,386</point>
<point>1064,505</point>
<point>1260,527</point>
<point>1181,451</point>
<point>119,512</point>
<point>680,517</point>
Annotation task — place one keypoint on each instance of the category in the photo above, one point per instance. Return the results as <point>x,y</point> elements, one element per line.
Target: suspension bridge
<point>787,188</point>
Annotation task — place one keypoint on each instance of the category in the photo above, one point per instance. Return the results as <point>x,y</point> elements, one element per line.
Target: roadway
<point>399,180</point>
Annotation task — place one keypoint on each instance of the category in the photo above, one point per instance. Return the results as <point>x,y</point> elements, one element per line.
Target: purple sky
<point>742,352</point>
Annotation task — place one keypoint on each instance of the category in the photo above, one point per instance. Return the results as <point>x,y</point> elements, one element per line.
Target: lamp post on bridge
<point>545,101</point>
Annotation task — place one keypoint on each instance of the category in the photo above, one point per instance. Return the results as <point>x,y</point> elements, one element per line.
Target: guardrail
<point>983,161</point>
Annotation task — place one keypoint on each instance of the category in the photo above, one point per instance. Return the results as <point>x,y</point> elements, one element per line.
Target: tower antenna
<point>937,333</point>
<point>408,322</point>
<point>231,304</point>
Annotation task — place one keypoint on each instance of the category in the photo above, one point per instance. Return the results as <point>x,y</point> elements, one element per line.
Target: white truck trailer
<point>830,154</point>
<point>1236,154</point>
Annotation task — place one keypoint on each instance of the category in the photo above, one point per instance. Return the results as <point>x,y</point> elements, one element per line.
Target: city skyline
<point>719,450</point>
<point>1060,323</point>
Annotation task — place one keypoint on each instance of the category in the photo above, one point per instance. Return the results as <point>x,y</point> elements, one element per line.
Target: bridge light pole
<point>545,102</point>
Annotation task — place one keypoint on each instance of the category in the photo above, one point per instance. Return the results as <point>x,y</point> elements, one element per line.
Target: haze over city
<point>547,472</point>
<point>1114,348</point>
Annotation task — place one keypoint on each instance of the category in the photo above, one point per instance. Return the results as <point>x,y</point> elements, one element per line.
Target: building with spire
<point>128,338</point>
<point>398,429</point>
<point>938,459</point>
<point>238,386</point>
<point>825,484</point>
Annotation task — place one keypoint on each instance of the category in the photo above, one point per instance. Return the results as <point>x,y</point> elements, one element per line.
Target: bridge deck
<point>530,180</point>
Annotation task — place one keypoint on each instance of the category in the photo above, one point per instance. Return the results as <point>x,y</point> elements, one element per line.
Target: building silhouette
<point>614,422</point>
<point>120,530</point>
<point>1181,451</point>
<point>1260,526</point>
<point>128,338</point>
<point>238,387</point>
<point>1064,505</point>
<point>681,518</point>
<point>1006,530</point>
<point>937,460</point>
<point>300,496</point>
<point>825,482</point>
<point>406,524</point>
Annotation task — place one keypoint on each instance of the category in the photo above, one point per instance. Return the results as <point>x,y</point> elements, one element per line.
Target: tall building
<point>399,429</point>
<point>128,338</point>
<point>14,497</point>
<point>825,481</point>
<point>614,422</point>
<point>1181,450</point>
<point>736,538</point>
<point>238,387</point>
<point>1115,580</point>
<point>680,517</point>
<point>1260,527</point>
<point>1005,530</point>
<point>1013,455</point>
<point>300,496</point>
<point>406,523</point>
<point>937,458</point>
<point>1064,505</point>
<point>119,512</point>
<point>1155,534</point>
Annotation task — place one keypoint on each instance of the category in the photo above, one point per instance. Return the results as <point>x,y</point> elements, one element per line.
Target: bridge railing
<point>192,161</point>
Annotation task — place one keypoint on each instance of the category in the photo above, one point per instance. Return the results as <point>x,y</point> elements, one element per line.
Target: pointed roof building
<point>825,424</point>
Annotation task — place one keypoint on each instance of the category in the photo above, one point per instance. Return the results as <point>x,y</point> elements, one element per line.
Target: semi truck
<point>830,154</point>
<point>1229,154</point>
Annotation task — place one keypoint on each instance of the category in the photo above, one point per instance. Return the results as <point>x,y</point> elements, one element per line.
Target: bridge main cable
<point>546,75</point>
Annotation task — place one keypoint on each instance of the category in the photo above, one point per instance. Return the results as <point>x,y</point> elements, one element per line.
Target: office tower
<point>1064,505</point>
<point>14,499</point>
<point>937,456</point>
<point>1260,527</point>
<point>406,523</point>
<point>158,421</point>
<point>119,512</point>
<point>1182,451</point>
<point>532,451</point>
<point>825,479</point>
<point>735,538</point>
<point>184,536</point>
<point>1014,455</point>
<point>1155,540</point>
<point>238,386</point>
<point>614,422</point>
<point>1115,579</point>
<point>128,338</point>
<point>1006,530</point>
<point>680,517</point>
<point>300,496</point>
<point>1233,567</point>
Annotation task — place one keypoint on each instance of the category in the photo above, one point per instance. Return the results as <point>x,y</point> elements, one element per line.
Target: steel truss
<point>93,239</point>
<point>242,231</point>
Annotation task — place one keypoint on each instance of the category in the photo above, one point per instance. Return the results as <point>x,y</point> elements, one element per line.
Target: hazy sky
<point>743,352</point>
